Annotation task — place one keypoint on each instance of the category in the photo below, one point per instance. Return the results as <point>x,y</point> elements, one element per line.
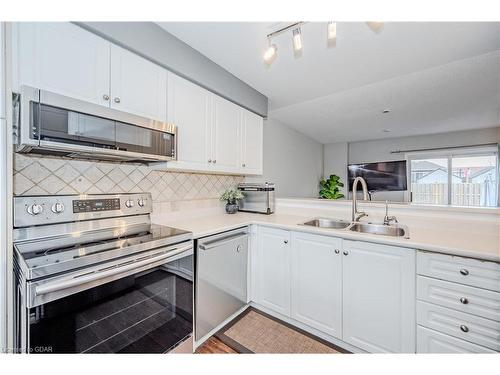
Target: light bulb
<point>297,39</point>
<point>332,31</point>
<point>270,53</point>
<point>376,27</point>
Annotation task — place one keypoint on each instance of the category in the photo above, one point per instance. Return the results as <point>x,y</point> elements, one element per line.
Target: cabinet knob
<point>464,328</point>
<point>337,251</point>
<point>215,161</point>
<point>105,97</point>
<point>464,300</point>
<point>285,241</point>
<point>209,160</point>
<point>345,252</point>
<point>117,100</point>
<point>239,248</point>
<point>464,272</point>
<point>243,165</point>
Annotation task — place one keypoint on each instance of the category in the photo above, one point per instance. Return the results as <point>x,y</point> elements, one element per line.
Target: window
<point>458,177</point>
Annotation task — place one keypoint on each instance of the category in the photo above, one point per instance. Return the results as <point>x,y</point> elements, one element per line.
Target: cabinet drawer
<point>468,299</point>
<point>461,270</point>
<point>430,341</point>
<point>468,327</point>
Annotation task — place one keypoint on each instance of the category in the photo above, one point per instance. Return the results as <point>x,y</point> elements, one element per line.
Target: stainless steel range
<point>94,275</point>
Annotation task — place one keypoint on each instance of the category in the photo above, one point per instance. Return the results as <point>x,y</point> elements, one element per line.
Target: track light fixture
<point>297,39</point>
<point>331,31</point>
<point>271,51</point>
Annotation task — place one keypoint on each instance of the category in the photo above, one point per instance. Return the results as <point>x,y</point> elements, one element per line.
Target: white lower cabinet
<point>379,297</point>
<point>317,282</point>
<point>361,293</point>
<point>272,270</point>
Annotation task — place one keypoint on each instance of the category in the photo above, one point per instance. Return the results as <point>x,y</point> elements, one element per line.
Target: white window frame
<point>449,154</point>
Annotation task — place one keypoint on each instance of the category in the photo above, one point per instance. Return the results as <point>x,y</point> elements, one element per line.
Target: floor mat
<point>257,332</point>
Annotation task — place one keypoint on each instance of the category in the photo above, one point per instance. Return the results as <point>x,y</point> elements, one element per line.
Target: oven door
<point>139,304</point>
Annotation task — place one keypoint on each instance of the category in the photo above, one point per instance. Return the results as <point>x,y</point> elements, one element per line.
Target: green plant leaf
<point>330,188</point>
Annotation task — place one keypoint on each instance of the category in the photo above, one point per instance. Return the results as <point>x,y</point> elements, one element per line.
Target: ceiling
<point>434,77</point>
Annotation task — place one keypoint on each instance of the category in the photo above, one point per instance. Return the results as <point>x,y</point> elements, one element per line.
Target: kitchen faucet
<point>387,218</point>
<point>356,215</point>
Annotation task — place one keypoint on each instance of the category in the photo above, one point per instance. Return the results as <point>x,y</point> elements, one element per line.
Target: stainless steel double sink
<point>396,230</point>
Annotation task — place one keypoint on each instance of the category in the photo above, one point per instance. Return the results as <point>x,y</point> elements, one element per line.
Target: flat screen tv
<point>383,176</point>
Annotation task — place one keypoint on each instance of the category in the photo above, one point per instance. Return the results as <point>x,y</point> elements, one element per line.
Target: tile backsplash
<point>44,175</point>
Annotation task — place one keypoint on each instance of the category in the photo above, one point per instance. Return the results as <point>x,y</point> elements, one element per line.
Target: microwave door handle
<point>211,245</point>
<point>79,280</point>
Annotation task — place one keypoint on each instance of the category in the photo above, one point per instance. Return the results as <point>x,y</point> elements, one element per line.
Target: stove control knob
<point>129,203</point>
<point>57,208</point>
<point>35,209</point>
<point>141,202</point>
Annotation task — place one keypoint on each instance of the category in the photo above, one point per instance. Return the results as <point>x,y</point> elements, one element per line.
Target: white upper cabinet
<point>379,297</point>
<point>252,138</point>
<point>317,282</point>
<point>226,135</point>
<point>189,108</point>
<point>272,270</point>
<point>137,85</point>
<point>62,58</point>
<point>215,135</point>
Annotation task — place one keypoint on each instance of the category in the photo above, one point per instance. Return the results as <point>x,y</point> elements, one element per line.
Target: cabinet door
<point>226,136</point>
<point>272,270</point>
<point>251,143</point>
<point>63,58</point>
<point>379,297</point>
<point>317,282</point>
<point>189,108</point>
<point>137,85</point>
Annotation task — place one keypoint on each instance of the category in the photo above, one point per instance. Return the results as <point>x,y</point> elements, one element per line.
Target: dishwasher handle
<point>223,241</point>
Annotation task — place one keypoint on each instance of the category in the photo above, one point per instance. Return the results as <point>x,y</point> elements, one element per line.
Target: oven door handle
<point>58,285</point>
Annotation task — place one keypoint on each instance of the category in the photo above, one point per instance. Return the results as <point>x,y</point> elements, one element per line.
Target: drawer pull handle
<point>464,328</point>
<point>464,300</point>
<point>464,272</point>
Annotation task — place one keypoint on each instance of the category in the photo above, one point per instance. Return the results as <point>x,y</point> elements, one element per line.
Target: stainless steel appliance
<point>221,279</point>
<point>51,123</point>
<point>94,275</point>
<point>259,198</point>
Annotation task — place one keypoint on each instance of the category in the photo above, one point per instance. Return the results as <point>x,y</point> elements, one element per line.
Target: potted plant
<point>330,188</point>
<point>231,197</point>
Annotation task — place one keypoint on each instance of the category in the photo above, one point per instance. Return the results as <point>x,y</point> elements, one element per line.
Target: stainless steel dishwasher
<point>221,278</point>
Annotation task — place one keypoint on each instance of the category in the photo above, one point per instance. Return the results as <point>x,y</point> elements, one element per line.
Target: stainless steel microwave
<point>51,123</point>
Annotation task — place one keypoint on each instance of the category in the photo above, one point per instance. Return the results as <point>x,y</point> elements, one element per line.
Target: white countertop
<point>480,240</point>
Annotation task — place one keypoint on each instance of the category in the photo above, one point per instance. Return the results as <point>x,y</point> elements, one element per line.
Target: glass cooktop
<point>57,254</point>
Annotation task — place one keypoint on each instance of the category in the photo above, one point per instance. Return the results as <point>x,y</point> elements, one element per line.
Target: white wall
<point>380,150</point>
<point>293,161</point>
<point>335,162</point>
<point>338,155</point>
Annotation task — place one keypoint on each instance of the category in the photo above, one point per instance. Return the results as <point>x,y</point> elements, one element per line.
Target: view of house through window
<point>455,179</point>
